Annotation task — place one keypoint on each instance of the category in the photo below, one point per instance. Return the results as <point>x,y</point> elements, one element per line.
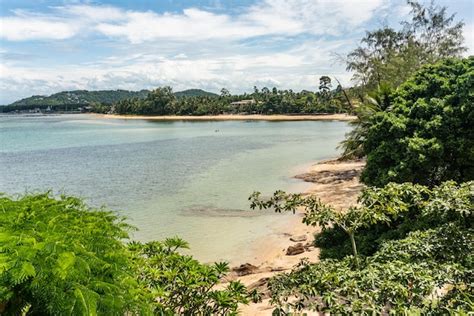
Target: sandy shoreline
<point>334,182</point>
<point>232,117</point>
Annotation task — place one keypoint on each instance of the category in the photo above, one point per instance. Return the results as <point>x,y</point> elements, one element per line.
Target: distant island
<point>162,101</point>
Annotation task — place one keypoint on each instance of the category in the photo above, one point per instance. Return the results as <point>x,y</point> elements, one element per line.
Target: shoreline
<point>335,183</point>
<point>231,117</point>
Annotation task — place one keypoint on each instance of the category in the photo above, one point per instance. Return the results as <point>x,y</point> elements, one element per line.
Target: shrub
<point>426,137</point>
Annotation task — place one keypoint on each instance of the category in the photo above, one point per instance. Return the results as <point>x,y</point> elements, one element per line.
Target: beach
<point>335,183</point>
<point>233,117</point>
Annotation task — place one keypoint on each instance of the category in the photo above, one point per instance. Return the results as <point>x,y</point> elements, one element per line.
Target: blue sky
<point>50,46</point>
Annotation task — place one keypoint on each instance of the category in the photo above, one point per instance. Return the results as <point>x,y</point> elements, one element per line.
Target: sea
<point>190,179</point>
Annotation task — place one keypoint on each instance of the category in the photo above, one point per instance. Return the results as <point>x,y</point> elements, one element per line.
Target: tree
<point>58,256</point>
<point>390,56</point>
<point>432,29</point>
<point>325,85</point>
<point>159,102</point>
<point>387,57</point>
<point>419,238</point>
<point>225,93</point>
<point>427,136</point>
<point>180,285</point>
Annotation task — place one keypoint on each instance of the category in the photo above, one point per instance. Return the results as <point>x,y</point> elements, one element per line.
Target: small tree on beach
<point>414,240</point>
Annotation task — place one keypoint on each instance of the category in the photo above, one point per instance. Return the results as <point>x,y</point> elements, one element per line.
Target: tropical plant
<point>389,56</point>
<point>182,285</point>
<point>60,257</point>
<point>420,259</point>
<point>426,137</point>
<point>376,101</point>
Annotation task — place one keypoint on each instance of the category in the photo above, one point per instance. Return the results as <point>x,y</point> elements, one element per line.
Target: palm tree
<point>377,101</point>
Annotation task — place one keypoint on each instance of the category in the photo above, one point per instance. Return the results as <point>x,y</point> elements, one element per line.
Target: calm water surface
<point>190,179</point>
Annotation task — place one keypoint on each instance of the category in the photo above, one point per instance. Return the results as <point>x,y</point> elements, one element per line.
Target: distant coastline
<point>233,117</point>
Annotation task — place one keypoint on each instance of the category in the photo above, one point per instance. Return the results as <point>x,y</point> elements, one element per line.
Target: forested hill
<point>194,93</point>
<point>78,98</point>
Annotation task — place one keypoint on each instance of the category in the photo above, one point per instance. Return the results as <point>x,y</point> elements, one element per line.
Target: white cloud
<point>92,13</point>
<point>295,68</point>
<point>32,28</point>
<point>192,48</point>
<point>270,17</point>
<point>63,23</point>
<point>275,17</point>
<point>192,24</point>
<point>312,16</point>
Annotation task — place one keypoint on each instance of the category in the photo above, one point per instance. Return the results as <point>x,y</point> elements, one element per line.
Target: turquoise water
<point>190,179</point>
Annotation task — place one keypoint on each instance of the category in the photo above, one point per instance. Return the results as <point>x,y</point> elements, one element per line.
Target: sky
<point>52,46</point>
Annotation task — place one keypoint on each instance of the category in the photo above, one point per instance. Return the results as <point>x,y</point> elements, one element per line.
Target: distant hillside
<point>71,100</point>
<point>194,93</point>
<point>80,97</point>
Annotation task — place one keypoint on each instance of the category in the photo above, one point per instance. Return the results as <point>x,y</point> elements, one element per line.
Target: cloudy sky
<point>50,46</point>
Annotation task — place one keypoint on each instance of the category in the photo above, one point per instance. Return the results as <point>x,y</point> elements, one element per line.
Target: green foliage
<point>72,100</point>
<point>60,257</point>
<point>376,101</point>
<point>101,108</point>
<point>426,137</point>
<point>57,256</point>
<point>100,100</point>
<point>181,284</point>
<point>265,101</point>
<point>194,93</point>
<point>421,259</point>
<point>389,56</point>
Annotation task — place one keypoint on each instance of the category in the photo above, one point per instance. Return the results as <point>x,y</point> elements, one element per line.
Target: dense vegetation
<point>162,101</point>
<point>72,100</point>
<point>388,57</point>
<point>100,101</point>
<point>427,134</point>
<point>405,248</point>
<point>60,257</point>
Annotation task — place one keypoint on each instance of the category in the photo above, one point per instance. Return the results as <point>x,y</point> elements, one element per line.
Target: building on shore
<point>243,106</point>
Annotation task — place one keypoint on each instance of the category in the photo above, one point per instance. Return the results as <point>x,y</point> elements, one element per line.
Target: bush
<point>407,249</point>
<point>426,136</point>
<point>60,257</point>
<point>181,285</point>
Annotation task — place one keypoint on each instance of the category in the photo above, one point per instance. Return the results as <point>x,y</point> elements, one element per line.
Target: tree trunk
<point>354,249</point>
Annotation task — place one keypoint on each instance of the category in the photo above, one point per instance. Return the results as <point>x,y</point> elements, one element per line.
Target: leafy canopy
<point>57,256</point>
<point>426,137</point>
<point>389,56</point>
<point>61,257</point>
<point>422,261</point>
<point>180,285</point>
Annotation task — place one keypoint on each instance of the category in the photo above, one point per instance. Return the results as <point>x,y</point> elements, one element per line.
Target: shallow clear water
<point>190,179</point>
